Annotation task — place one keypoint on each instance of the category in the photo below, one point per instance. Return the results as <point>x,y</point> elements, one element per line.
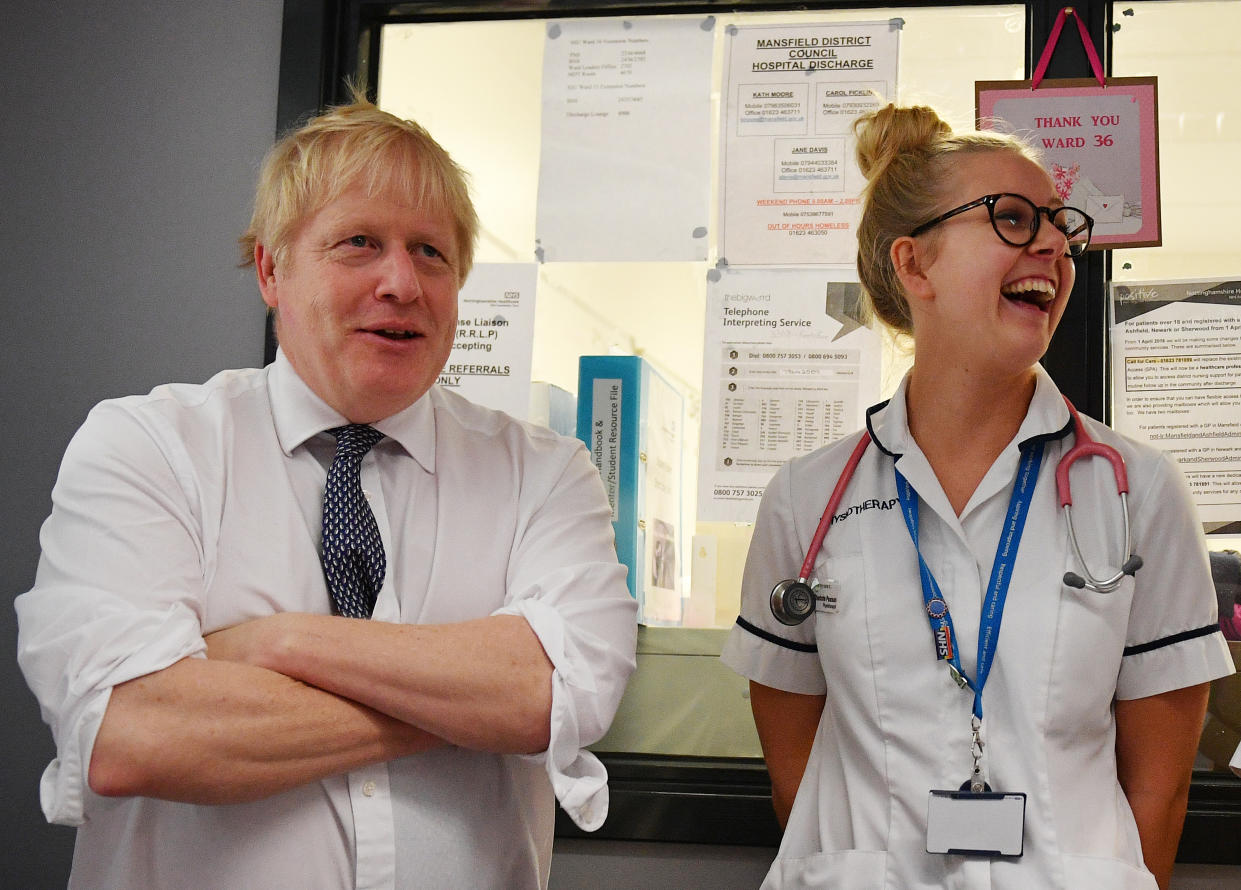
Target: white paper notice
<point>491,355</point>
<point>665,421</point>
<point>791,186</point>
<point>625,167</point>
<point>787,368</point>
<point>1176,381</point>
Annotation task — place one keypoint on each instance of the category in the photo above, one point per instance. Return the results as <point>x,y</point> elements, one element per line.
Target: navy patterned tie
<point>353,554</point>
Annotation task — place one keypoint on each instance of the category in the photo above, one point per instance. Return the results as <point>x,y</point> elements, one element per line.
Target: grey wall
<point>130,136</point>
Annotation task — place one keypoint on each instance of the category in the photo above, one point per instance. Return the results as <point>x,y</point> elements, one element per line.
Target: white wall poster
<point>1176,381</point>
<point>787,367</point>
<point>790,183</point>
<point>624,172</point>
<point>491,354</point>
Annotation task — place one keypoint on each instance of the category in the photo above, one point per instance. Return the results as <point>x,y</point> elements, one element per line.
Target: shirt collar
<point>1046,418</point>
<point>300,414</point>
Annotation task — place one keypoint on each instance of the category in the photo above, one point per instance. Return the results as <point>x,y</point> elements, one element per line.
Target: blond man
<point>324,624</point>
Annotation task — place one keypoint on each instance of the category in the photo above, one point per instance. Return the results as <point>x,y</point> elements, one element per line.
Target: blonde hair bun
<point>887,132</point>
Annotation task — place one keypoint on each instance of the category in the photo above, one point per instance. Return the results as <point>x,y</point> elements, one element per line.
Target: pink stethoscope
<point>793,601</point>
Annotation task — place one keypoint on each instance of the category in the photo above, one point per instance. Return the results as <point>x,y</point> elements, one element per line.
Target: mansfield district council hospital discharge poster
<point>790,184</point>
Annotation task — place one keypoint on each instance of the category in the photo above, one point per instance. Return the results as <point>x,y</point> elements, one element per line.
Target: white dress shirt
<point>895,726</point>
<point>197,507</point>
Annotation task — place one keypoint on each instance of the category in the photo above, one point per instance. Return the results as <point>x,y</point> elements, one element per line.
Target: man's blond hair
<point>349,145</point>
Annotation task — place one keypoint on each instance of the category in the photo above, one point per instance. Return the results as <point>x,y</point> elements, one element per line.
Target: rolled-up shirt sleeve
<point>115,594</point>
<point>565,581</point>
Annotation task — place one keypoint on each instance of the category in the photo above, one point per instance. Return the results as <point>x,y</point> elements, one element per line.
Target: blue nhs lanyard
<point>997,587</point>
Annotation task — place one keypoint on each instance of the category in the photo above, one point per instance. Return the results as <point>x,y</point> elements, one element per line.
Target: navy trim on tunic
<point>1207,630</point>
<point>772,638</point>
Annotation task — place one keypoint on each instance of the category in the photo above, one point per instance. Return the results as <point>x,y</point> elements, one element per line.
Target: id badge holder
<point>826,597</point>
<point>967,823</point>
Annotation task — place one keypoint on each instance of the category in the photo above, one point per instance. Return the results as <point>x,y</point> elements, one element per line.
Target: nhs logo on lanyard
<point>943,642</point>
<point>937,610</point>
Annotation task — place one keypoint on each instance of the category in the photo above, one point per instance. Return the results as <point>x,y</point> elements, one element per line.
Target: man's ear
<point>265,271</point>
<point>908,260</point>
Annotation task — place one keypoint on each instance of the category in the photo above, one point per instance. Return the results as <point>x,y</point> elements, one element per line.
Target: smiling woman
<point>1090,779</point>
<point>979,305</point>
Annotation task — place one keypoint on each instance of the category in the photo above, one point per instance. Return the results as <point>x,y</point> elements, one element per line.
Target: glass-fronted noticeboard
<point>683,754</point>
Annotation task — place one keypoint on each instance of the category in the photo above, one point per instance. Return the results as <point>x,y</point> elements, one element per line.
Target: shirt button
<point>368,789</point>
<point>366,494</point>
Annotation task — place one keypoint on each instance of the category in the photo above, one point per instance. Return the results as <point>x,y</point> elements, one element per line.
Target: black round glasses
<point>1016,220</point>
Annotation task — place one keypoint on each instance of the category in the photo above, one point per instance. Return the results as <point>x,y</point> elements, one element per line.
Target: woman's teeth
<point>1038,291</point>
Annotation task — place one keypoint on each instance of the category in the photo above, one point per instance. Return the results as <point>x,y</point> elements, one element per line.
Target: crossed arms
<point>289,699</point>
<point>113,633</point>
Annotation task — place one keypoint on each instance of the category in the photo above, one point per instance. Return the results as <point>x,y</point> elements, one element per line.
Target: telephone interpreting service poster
<point>1176,381</point>
<point>790,185</point>
<point>493,349</point>
<point>788,367</point>
<point>624,172</point>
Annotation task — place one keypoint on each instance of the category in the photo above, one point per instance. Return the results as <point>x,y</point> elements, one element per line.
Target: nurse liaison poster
<point>1101,144</point>
<point>492,352</point>
<point>790,185</point>
<point>1176,383</point>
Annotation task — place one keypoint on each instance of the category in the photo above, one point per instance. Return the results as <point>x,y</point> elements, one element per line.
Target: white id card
<point>968,824</point>
<point>825,597</point>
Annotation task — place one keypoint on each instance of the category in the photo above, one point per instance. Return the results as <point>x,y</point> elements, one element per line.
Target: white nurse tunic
<point>895,725</point>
